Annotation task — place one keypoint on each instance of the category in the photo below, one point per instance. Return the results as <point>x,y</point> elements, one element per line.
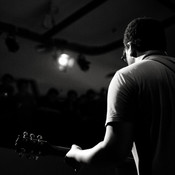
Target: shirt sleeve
<point>122,98</point>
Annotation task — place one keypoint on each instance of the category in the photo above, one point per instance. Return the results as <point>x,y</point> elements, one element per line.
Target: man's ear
<point>133,51</point>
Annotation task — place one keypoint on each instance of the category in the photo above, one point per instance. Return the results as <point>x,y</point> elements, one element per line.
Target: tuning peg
<point>32,136</point>
<point>25,134</point>
<point>39,137</point>
<point>16,141</point>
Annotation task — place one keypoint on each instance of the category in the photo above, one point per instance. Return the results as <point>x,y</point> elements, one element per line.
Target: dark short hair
<point>145,33</point>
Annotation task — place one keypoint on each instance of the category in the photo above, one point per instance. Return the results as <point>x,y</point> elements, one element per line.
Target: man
<point>140,106</point>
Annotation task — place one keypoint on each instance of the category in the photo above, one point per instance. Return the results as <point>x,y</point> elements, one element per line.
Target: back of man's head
<point>145,34</point>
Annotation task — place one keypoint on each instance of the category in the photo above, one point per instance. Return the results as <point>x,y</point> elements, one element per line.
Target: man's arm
<point>113,150</point>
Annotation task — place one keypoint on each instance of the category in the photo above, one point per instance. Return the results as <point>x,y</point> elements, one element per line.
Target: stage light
<point>64,62</point>
<point>63,59</point>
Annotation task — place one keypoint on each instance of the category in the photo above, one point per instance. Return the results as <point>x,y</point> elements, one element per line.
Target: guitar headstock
<point>30,145</point>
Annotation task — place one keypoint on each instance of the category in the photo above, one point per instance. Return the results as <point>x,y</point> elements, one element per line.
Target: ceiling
<point>91,27</point>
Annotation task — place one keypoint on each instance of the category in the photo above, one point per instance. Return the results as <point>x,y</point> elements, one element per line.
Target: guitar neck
<point>58,150</point>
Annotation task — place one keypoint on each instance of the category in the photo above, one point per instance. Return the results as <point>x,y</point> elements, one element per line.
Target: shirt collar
<point>153,52</point>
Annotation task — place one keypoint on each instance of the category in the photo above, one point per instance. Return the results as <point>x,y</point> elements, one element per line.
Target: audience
<point>21,101</point>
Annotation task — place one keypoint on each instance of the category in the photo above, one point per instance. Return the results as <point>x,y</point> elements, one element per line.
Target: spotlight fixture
<point>83,63</point>
<point>11,43</point>
<point>64,61</point>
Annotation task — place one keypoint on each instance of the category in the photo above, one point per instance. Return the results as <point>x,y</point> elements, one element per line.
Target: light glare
<point>63,59</point>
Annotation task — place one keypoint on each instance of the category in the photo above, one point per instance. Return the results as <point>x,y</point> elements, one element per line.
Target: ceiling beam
<point>19,31</point>
<point>64,44</point>
<point>73,17</point>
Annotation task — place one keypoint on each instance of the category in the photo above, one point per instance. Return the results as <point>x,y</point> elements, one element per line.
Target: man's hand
<point>70,157</point>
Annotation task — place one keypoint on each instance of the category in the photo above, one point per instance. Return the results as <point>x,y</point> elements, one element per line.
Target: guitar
<point>32,147</point>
